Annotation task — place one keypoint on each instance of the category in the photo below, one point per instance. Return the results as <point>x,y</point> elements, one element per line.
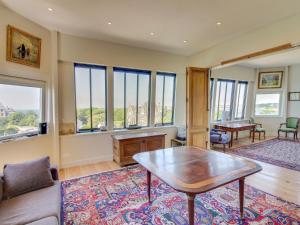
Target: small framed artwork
<point>270,79</point>
<point>22,47</point>
<point>294,96</point>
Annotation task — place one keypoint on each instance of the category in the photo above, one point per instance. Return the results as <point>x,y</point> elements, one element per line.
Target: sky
<point>267,98</point>
<point>20,97</point>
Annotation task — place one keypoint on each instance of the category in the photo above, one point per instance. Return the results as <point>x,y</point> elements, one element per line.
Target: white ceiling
<point>171,21</point>
<point>285,58</point>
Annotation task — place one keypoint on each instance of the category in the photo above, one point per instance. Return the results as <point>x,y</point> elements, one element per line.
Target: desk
<point>193,171</point>
<point>235,128</point>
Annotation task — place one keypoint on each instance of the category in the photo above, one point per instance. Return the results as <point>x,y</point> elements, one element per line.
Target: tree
<point>30,119</point>
<point>15,118</point>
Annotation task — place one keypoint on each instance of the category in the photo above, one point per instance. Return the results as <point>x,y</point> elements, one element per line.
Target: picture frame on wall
<point>294,96</point>
<point>267,80</point>
<point>22,47</point>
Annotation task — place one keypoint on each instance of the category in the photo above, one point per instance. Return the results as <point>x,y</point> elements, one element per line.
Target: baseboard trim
<point>86,161</point>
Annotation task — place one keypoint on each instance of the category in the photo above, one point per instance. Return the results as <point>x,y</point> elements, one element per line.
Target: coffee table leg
<point>241,190</point>
<point>149,185</point>
<point>231,141</point>
<point>191,205</point>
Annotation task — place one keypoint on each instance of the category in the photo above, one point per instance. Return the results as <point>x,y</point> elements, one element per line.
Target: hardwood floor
<point>272,179</point>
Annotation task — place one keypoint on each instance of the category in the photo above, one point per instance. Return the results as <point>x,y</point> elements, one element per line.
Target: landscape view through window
<point>20,109</point>
<point>267,104</point>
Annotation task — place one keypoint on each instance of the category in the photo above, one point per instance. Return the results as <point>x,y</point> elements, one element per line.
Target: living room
<point>99,78</point>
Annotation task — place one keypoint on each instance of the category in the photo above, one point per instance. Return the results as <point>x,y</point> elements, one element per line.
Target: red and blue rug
<point>119,198</point>
<point>279,152</point>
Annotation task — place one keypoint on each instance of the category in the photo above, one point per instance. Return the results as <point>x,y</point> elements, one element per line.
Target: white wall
<point>271,124</point>
<point>80,149</point>
<point>275,34</point>
<point>294,86</point>
<point>27,149</point>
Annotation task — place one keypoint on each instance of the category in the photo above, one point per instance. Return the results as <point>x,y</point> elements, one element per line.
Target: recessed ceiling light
<point>50,9</point>
<point>185,41</point>
<point>109,23</point>
<point>151,33</point>
<point>219,23</point>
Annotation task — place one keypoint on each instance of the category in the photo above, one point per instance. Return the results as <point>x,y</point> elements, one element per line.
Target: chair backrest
<point>292,122</point>
<point>251,120</point>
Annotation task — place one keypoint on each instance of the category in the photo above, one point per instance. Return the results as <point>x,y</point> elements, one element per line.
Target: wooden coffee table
<point>193,171</point>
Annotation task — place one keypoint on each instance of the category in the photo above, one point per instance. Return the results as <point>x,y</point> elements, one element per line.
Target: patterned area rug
<point>119,198</point>
<point>284,153</point>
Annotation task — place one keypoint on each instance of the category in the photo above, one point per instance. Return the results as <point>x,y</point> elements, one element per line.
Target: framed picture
<point>294,96</point>
<point>270,79</point>
<point>23,47</point>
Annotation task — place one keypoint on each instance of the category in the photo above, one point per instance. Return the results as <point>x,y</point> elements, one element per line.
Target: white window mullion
<point>110,98</point>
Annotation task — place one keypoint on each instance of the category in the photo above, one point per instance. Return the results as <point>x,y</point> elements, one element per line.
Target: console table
<point>235,128</point>
<point>126,145</point>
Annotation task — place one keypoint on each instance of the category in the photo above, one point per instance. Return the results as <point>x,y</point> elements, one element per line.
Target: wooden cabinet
<point>125,146</point>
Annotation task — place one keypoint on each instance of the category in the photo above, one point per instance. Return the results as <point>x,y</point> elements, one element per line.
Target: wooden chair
<point>258,129</point>
<point>291,126</point>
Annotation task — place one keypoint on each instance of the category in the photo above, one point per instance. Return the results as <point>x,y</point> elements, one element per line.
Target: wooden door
<point>197,107</point>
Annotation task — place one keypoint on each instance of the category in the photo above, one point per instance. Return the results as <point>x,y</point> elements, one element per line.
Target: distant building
<point>5,111</point>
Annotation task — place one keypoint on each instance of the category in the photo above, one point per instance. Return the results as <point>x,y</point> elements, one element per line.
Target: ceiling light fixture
<point>185,41</point>
<point>219,23</point>
<point>50,9</point>
<point>109,23</point>
<point>151,33</point>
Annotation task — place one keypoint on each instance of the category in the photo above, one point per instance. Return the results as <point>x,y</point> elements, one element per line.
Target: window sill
<point>22,138</point>
<point>266,116</point>
<point>120,131</point>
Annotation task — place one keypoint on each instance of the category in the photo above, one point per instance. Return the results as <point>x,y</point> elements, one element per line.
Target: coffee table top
<point>193,170</point>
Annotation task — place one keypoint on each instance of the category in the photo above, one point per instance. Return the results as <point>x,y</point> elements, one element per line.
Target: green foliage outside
<point>167,117</point>
<point>12,123</point>
<point>98,114</point>
<point>83,116</point>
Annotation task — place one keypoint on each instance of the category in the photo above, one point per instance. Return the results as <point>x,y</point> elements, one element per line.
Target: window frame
<point>211,91</point>
<point>244,100</point>
<point>231,100</point>
<point>90,67</point>
<point>280,104</point>
<point>25,82</point>
<point>165,74</point>
<point>139,73</point>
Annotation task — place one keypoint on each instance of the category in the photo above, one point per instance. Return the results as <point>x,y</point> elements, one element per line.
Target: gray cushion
<point>46,221</point>
<point>31,206</point>
<point>25,177</point>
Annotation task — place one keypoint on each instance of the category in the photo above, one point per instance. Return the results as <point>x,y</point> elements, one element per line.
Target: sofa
<point>38,207</point>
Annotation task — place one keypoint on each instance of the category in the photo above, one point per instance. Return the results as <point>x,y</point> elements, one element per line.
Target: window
<point>267,104</point>
<point>21,107</point>
<point>241,100</point>
<point>211,90</point>
<point>131,98</point>
<point>224,98</point>
<point>90,85</point>
<point>164,98</point>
